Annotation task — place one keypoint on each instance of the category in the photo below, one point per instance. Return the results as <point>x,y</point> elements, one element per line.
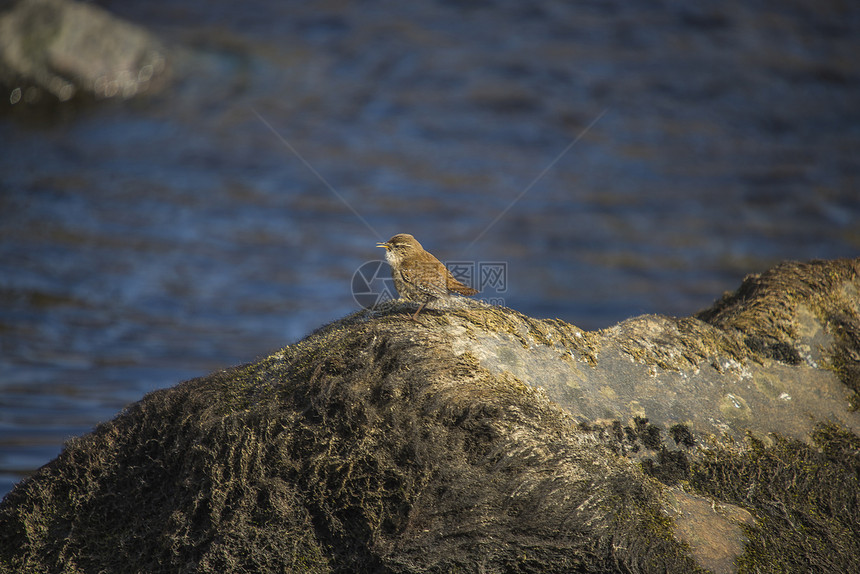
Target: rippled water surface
<point>620,158</point>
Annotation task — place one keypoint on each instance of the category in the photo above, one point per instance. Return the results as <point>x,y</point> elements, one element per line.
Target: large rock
<point>61,48</point>
<point>482,440</point>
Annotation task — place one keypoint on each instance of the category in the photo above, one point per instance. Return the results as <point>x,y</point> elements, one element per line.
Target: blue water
<point>618,158</point>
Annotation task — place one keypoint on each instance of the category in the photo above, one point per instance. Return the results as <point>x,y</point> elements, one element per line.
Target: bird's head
<point>400,246</point>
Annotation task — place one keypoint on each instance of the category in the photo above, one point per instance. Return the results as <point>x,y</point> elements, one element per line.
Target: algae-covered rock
<point>482,440</point>
<point>57,49</point>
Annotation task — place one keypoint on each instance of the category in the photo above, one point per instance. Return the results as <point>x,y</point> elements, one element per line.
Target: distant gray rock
<point>59,49</point>
<point>483,440</point>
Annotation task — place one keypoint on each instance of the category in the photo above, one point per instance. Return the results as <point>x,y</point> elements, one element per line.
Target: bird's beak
<point>385,245</point>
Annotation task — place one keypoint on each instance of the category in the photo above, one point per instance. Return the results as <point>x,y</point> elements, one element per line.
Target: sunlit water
<point>618,158</point>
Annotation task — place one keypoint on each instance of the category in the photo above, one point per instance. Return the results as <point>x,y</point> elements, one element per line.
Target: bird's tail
<point>457,287</point>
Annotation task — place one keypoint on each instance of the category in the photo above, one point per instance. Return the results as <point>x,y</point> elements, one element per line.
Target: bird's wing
<point>426,275</point>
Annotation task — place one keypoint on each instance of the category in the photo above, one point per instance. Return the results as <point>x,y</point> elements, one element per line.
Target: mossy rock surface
<point>482,440</point>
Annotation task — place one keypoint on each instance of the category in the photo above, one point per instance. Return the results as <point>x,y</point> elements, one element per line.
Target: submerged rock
<point>59,49</point>
<point>482,440</point>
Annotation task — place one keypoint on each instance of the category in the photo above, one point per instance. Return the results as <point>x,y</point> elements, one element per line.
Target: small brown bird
<point>418,276</point>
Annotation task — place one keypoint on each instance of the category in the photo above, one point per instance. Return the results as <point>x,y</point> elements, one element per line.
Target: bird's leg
<point>415,316</point>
